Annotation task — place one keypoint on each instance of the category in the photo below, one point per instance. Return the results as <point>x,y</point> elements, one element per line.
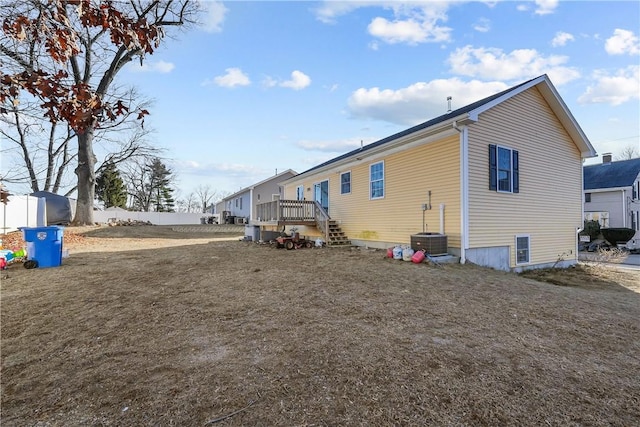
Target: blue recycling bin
<point>44,245</point>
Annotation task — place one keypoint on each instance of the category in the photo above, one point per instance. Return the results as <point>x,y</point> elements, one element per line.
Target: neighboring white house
<point>612,195</point>
<point>241,205</point>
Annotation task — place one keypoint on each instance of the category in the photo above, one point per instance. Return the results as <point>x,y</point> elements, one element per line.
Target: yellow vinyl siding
<point>548,206</point>
<point>408,176</point>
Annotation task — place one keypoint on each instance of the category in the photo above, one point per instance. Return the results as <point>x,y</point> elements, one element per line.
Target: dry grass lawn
<point>146,326</point>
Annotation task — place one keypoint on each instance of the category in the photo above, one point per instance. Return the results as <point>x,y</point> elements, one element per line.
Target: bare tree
<point>67,53</point>
<point>630,152</point>
<point>136,175</point>
<point>149,184</point>
<point>188,203</point>
<point>43,151</point>
<point>205,195</point>
<point>40,151</point>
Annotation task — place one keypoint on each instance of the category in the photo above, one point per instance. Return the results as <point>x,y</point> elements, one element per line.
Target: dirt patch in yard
<point>182,329</point>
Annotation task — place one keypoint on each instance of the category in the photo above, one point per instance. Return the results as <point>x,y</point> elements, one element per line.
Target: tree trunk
<point>86,178</point>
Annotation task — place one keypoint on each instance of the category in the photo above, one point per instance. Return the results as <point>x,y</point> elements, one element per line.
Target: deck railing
<point>322,220</point>
<point>294,212</point>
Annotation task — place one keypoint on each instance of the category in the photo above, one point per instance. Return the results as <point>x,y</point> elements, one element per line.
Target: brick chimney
<point>606,158</point>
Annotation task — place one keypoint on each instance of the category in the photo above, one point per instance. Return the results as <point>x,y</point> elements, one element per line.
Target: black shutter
<point>516,172</point>
<point>493,168</point>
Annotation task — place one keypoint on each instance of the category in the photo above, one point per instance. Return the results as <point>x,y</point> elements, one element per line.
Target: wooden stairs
<point>337,236</point>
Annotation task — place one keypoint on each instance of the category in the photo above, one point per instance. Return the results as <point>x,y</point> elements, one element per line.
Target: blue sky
<point>265,86</point>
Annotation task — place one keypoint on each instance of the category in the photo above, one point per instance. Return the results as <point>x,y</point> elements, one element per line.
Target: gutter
<point>464,190</point>
<point>360,153</point>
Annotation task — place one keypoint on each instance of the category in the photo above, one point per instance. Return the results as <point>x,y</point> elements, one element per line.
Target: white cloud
<point>408,31</point>
<point>152,67</point>
<point>234,77</point>
<point>413,22</point>
<point>545,7</point>
<point>622,41</point>
<point>420,101</point>
<point>214,14</point>
<point>482,25</point>
<point>330,10</point>
<point>561,38</point>
<point>616,89</point>
<point>269,82</point>
<point>195,167</point>
<point>493,63</point>
<point>340,146</point>
<point>298,81</point>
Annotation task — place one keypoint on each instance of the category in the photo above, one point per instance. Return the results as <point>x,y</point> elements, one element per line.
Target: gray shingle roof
<point>611,175</point>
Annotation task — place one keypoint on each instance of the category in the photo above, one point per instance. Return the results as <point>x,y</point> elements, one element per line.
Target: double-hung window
<point>523,249</point>
<point>345,183</point>
<point>376,180</point>
<point>504,169</point>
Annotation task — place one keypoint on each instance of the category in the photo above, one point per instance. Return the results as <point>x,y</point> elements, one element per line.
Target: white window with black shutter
<point>504,169</point>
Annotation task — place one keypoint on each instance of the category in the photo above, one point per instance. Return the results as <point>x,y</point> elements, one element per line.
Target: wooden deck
<point>293,212</point>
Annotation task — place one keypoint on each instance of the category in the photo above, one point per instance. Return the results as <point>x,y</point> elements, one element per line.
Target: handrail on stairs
<point>322,220</point>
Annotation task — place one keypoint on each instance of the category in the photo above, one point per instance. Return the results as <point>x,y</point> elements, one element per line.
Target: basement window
<point>523,249</point>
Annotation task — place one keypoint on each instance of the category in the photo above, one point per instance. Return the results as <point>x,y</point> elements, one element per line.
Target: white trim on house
<point>464,192</point>
<point>424,136</point>
<point>624,208</point>
<point>562,112</point>
<point>605,190</point>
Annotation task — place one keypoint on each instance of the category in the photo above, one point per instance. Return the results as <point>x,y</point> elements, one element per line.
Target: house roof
<point>611,175</point>
<point>469,113</point>
<point>251,187</point>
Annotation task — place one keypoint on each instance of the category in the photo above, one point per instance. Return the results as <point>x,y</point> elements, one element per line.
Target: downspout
<point>581,227</point>
<point>578,230</point>
<point>464,191</point>
<point>624,210</point>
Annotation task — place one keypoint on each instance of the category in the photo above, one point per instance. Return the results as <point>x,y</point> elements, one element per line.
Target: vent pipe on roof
<point>448,104</point>
<point>606,158</point>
